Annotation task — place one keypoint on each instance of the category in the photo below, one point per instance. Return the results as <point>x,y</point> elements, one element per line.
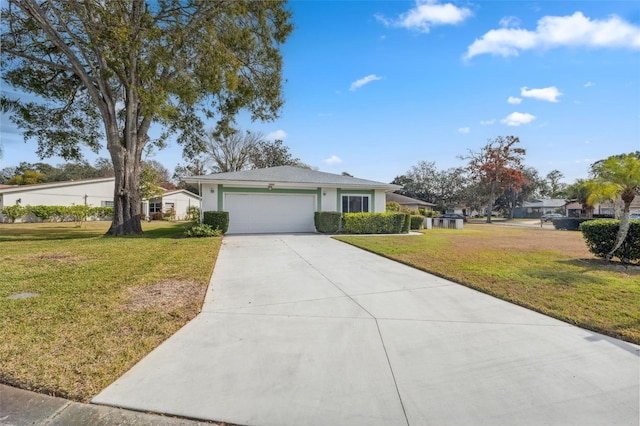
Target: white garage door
<point>265,213</point>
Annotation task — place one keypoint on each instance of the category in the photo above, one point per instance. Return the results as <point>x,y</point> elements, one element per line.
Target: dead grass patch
<point>164,296</point>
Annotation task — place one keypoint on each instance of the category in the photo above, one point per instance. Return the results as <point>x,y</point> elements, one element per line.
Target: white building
<point>90,192</point>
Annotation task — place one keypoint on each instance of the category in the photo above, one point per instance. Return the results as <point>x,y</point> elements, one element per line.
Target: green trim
<point>371,193</point>
<point>224,190</point>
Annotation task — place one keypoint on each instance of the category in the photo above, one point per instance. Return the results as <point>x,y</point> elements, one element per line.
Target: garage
<point>270,213</point>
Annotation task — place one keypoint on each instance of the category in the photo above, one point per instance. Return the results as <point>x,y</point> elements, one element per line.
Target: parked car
<point>634,216</point>
<point>453,216</point>
<point>549,217</point>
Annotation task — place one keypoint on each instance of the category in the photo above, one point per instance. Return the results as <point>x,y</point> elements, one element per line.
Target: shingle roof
<point>545,203</point>
<point>402,199</point>
<point>290,175</point>
<point>20,188</point>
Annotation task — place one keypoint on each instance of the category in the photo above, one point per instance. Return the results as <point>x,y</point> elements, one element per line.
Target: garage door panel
<point>265,213</point>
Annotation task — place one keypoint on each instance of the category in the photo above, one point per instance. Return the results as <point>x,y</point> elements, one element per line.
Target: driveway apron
<point>305,330</point>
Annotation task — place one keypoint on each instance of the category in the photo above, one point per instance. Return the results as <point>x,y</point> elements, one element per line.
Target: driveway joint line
<point>406,289</point>
<point>384,348</point>
<point>285,315</point>
<point>477,322</point>
<point>286,303</point>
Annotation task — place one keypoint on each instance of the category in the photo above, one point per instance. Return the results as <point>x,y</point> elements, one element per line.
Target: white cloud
<point>510,21</point>
<point>334,159</point>
<point>513,100</point>
<point>488,122</point>
<point>427,14</point>
<point>364,80</point>
<point>589,84</point>
<point>277,135</point>
<point>547,94</point>
<point>576,30</point>
<point>464,130</point>
<point>518,118</point>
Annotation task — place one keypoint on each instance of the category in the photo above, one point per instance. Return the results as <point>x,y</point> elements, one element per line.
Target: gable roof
<point>8,189</point>
<point>290,176</point>
<point>402,199</point>
<point>545,203</point>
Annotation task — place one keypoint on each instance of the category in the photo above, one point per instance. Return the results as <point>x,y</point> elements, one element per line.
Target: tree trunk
<point>623,230</point>
<point>126,197</point>
<point>490,206</point>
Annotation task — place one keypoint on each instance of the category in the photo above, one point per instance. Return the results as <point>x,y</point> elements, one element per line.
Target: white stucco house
<point>91,192</point>
<point>284,199</point>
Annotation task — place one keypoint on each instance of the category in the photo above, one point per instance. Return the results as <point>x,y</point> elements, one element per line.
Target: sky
<point>374,87</point>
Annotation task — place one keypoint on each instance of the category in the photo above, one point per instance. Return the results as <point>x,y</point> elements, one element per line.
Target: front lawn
<point>103,303</point>
<point>545,270</point>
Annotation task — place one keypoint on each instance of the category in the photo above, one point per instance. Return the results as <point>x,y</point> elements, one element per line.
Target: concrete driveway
<point>305,330</point>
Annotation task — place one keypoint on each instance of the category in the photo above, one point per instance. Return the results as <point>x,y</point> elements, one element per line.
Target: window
<point>107,203</point>
<point>355,203</point>
<point>155,208</point>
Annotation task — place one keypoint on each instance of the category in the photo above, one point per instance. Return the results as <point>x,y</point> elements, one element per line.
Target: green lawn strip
<point>103,301</point>
<point>597,298</point>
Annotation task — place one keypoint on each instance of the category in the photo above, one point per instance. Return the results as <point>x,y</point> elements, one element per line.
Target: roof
<point>178,191</point>
<point>22,188</point>
<point>290,176</point>
<point>401,199</point>
<point>545,203</point>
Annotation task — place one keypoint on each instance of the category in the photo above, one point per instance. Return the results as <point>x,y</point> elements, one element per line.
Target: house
<point>606,209</point>
<point>408,202</point>
<point>90,192</point>
<point>284,199</point>
<point>539,207</point>
<point>179,201</point>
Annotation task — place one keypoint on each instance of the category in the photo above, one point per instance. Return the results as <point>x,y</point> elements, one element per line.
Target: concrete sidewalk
<point>21,408</point>
<point>305,330</point>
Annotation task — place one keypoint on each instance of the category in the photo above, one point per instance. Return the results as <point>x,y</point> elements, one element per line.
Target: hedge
<point>417,221</point>
<point>327,222</point>
<point>217,220</point>
<point>569,223</point>
<point>76,213</point>
<point>600,236</point>
<point>373,223</point>
<point>406,225</point>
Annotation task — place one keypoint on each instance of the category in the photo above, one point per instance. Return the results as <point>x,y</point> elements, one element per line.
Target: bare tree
<point>231,153</point>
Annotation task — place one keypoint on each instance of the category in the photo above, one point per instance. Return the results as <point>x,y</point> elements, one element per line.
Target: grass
<point>548,271</point>
<point>103,302</point>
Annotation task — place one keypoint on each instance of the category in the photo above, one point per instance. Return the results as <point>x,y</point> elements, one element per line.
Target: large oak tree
<point>104,72</point>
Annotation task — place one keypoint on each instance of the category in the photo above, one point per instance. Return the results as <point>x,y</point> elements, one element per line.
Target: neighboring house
<point>537,208</point>
<point>284,199</point>
<point>408,202</point>
<point>180,200</point>
<point>90,192</point>
<point>575,209</point>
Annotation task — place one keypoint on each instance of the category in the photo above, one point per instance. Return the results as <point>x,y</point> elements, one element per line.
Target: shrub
<point>327,222</point>
<point>217,220</point>
<point>78,213</point>
<point>600,236</point>
<point>393,206</point>
<point>193,213</point>
<point>157,216</point>
<point>170,214</point>
<point>406,225</point>
<point>14,212</point>
<point>373,223</point>
<point>417,221</point>
<point>105,212</point>
<point>42,212</point>
<point>569,223</point>
<point>201,230</point>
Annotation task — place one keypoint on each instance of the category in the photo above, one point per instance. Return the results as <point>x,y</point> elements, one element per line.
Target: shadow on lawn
<point>566,277</point>
<point>65,231</point>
